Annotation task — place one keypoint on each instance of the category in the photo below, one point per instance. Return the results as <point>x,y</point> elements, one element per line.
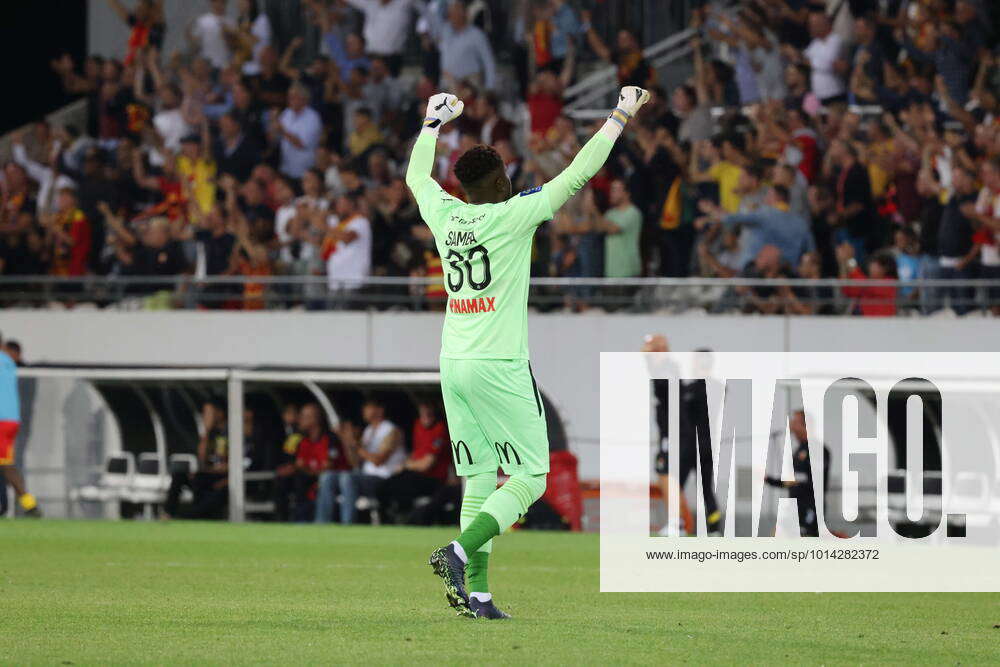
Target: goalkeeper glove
<point>630,99</point>
<point>443,108</point>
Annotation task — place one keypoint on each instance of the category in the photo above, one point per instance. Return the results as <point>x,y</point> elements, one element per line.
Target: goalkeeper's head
<point>483,177</point>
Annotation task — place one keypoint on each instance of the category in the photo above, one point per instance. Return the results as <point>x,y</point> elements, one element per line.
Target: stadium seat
<point>149,484</point>
<point>181,463</point>
<point>258,503</point>
<point>116,480</point>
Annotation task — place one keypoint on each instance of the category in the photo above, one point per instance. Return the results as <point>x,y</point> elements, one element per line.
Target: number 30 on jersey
<point>461,269</point>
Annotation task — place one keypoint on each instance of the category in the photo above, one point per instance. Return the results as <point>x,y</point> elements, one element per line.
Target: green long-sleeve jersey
<point>486,250</point>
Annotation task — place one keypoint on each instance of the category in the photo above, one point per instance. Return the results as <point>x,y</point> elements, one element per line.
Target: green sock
<point>477,489</point>
<point>482,529</point>
<point>475,572</point>
<point>508,503</point>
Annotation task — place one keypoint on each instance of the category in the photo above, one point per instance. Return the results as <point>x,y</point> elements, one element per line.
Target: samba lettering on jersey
<point>460,238</point>
<point>473,306</point>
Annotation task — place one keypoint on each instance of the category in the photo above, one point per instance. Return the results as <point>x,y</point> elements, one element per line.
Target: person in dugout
<point>802,488</point>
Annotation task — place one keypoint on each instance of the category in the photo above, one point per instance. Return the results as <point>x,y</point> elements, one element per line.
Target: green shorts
<point>495,416</point>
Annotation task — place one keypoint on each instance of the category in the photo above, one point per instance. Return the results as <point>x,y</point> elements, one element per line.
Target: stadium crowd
<point>864,145</point>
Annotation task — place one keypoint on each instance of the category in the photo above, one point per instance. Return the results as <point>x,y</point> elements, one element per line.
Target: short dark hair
<point>887,262</point>
<point>477,163</point>
<point>14,345</point>
<point>756,169</point>
<point>690,92</point>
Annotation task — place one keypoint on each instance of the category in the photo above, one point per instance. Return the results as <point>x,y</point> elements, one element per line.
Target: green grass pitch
<point>125,592</point>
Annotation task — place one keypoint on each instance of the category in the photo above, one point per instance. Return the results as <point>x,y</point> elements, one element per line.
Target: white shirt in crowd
<point>210,31</point>
<point>171,127</point>
<point>822,54</point>
<point>386,24</point>
<point>371,440</point>
<point>989,204</point>
<point>261,29</point>
<point>351,262</point>
<point>49,183</point>
<point>283,216</point>
<point>307,126</point>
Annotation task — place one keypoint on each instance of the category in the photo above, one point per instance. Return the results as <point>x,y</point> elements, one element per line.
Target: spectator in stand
<point>387,23</point>
<point>986,212</point>
<point>632,67</point>
<point>808,299</point>
<point>347,249</point>
<point>873,301</point>
<point>545,101</point>
<point>251,260</point>
<point>773,225</point>
<point>267,88</point>
<point>209,482</point>
<point>424,471</point>
<point>621,225</point>
<point>49,180</point>
<point>299,129</point>
<point>466,53</point>
<point>69,236</point>
<point>958,251</point>
<point>767,300</point>
<point>867,55</point>
<point>945,48</point>
<point>758,66</point>
<point>155,253</point>
<point>212,33</point>
<point>197,170</point>
<point>365,134</point>
<point>317,451</point>
<point>909,263</point>
<point>691,104</point>
<point>383,92</point>
<point>493,127</point>
<point>726,162</point>
<point>852,216</point>
<point>254,33</point>
<point>236,151</point>
<point>554,35</point>
<point>146,25</point>
<point>825,55</point>
<point>169,122</point>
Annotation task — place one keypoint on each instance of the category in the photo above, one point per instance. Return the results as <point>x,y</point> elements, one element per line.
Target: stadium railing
<point>638,295</point>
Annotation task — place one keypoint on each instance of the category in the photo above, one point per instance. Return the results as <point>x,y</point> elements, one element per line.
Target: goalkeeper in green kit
<point>495,415</point>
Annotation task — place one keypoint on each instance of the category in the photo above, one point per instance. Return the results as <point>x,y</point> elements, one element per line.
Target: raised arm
<point>441,108</point>
<point>595,152</point>
<point>119,9</point>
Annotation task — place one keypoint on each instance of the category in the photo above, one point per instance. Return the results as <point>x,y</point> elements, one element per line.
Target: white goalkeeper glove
<point>630,99</point>
<point>443,108</point>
